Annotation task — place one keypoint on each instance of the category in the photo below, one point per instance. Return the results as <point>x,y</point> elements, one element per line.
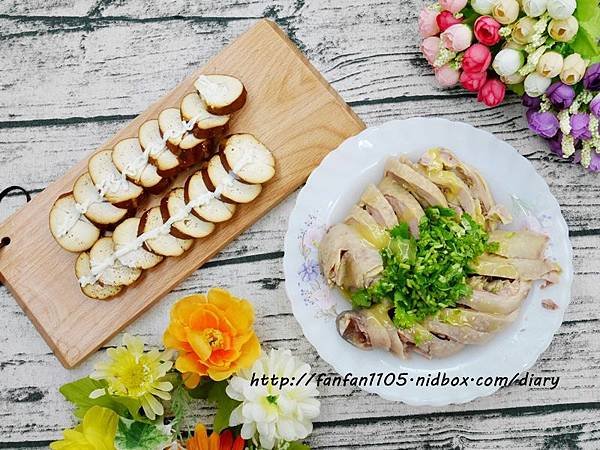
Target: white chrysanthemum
<point>273,414</point>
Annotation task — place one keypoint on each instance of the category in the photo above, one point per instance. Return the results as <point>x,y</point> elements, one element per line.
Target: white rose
<point>535,84</point>
<point>563,30</point>
<point>482,6</point>
<point>515,78</point>
<point>561,9</point>
<point>508,61</point>
<point>550,64</point>
<point>534,8</point>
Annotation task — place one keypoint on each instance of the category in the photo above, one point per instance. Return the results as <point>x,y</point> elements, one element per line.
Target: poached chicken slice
<point>117,190</point>
<point>248,157</point>
<point>190,226</point>
<point>199,187</point>
<point>71,229</point>
<point>223,94</point>
<point>163,243</point>
<point>96,290</point>
<point>235,190</point>
<point>101,213</point>
<point>123,237</point>
<point>166,162</point>
<point>207,125</point>
<point>423,189</point>
<point>128,157</point>
<point>116,274</point>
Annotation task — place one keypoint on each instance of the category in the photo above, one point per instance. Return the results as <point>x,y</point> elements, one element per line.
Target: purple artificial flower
<point>591,79</point>
<point>580,126</point>
<point>595,105</point>
<point>561,95</point>
<point>595,162</point>
<point>555,143</point>
<point>543,123</point>
<point>531,102</point>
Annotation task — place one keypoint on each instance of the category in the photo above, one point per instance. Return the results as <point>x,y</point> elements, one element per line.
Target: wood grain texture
<point>84,83</point>
<point>290,108</point>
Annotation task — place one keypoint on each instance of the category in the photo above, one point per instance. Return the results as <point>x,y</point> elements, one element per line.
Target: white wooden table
<point>75,71</point>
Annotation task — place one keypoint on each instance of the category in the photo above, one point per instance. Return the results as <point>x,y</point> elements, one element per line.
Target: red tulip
<point>477,58</point>
<point>492,92</point>
<point>487,30</point>
<point>473,81</point>
<point>446,19</point>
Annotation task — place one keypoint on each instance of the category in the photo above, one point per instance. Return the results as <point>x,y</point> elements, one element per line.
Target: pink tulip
<point>427,24</point>
<point>473,81</point>
<point>430,48</point>
<point>453,6</point>
<point>457,37</point>
<point>492,92</point>
<point>446,76</point>
<point>446,19</point>
<point>477,58</point>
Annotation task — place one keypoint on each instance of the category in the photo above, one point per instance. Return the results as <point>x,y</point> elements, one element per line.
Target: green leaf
<point>203,388</point>
<point>586,41</point>
<point>225,405</point>
<point>132,435</point>
<point>78,393</point>
<point>518,88</point>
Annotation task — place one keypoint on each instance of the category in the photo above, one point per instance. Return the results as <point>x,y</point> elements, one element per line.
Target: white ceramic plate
<point>337,184</point>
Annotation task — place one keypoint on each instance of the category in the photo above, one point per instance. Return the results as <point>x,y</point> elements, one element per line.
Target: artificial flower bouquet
<point>544,50</point>
<point>139,399</point>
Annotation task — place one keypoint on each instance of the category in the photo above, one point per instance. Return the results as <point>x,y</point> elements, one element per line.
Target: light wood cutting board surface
<point>290,107</point>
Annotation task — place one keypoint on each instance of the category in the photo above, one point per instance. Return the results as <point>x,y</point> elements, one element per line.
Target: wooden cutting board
<point>290,107</point>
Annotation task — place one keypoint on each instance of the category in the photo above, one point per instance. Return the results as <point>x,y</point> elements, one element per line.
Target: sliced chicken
<point>427,344</point>
<point>95,290</point>
<point>520,244</point>
<point>199,191</point>
<point>128,157</point>
<point>423,189</point>
<point>207,125</point>
<point>406,207</point>
<point>189,226</point>
<point>497,215</point>
<point>455,190</point>
<point>223,94</point>
<point>116,188</point>
<point>463,334</point>
<point>161,242</point>
<point>368,228</point>
<point>248,158</point>
<point>100,212</point>
<point>517,268</point>
<point>373,201</point>
<point>166,162</point>
<point>370,329</point>
<point>347,260</point>
<point>480,321</point>
<point>124,237</point>
<point>497,297</point>
<point>469,175</point>
<point>71,229</point>
<point>116,274</point>
<point>232,189</point>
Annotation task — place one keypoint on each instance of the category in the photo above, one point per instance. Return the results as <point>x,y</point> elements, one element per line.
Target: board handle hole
<point>4,241</point>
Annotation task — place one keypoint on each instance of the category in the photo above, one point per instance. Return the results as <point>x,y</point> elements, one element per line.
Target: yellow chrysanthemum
<point>96,432</point>
<point>131,372</point>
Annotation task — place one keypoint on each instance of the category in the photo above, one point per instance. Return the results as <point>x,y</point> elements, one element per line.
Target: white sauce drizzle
<point>202,200</point>
<point>114,183</point>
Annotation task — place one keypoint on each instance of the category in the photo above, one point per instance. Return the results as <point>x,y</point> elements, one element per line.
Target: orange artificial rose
<point>213,334</point>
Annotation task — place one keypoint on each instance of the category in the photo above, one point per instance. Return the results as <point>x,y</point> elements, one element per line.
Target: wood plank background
<point>76,71</point>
